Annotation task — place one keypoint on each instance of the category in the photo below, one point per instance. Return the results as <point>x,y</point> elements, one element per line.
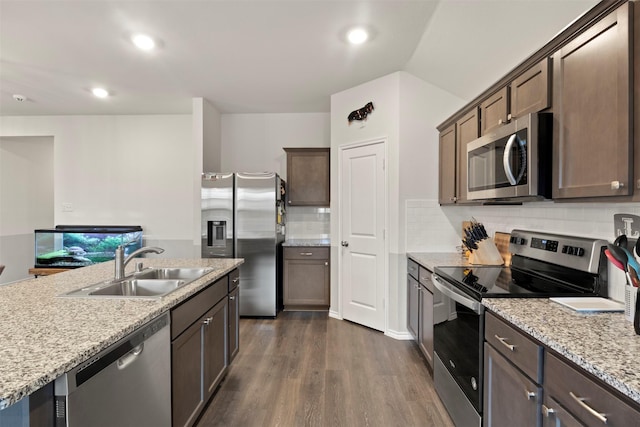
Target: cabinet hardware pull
<point>616,185</point>
<point>236,280</point>
<point>326,263</point>
<point>232,298</point>
<point>306,253</point>
<point>588,408</point>
<point>529,394</point>
<point>547,411</point>
<point>207,321</point>
<point>504,342</point>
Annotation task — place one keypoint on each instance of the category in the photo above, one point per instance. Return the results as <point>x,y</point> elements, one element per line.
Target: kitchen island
<point>43,335</point>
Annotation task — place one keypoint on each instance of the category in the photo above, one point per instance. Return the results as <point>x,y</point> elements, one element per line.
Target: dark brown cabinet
<point>592,101</point>
<point>529,92</point>
<point>306,277</point>
<point>308,176</point>
<point>413,299</point>
<point>425,328</point>
<point>448,167</point>
<point>234,315</point>
<point>494,110</point>
<point>466,131</point>
<point>200,329</point>
<point>512,373</point>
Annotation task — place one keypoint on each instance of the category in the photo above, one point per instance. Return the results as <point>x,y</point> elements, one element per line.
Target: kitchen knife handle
<point>505,343</point>
<point>588,408</point>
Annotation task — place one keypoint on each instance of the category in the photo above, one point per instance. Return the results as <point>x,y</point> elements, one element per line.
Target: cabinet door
<point>510,398</point>
<point>466,131</point>
<point>234,324</point>
<point>447,166</point>
<point>306,282</point>
<point>530,90</point>
<point>186,376</point>
<point>494,110</point>
<point>425,331</point>
<point>308,182</point>
<point>413,301</point>
<point>554,415</point>
<point>592,104</point>
<point>214,346</point>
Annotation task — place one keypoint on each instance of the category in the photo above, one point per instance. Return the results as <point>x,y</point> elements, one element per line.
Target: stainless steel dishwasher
<point>128,384</point>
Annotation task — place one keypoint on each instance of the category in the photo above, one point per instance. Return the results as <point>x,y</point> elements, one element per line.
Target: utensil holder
<point>630,297</point>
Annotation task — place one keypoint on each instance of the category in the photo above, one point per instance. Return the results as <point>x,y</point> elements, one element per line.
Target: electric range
<point>542,265</point>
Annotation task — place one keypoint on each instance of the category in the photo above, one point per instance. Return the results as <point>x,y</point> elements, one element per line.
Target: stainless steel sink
<point>150,283</point>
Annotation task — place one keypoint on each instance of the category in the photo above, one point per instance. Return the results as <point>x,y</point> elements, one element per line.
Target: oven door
<point>458,357</point>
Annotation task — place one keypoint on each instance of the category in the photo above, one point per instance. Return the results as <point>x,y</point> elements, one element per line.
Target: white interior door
<point>362,272</point>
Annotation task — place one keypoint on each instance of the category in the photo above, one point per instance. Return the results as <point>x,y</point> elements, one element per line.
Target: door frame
<point>384,141</point>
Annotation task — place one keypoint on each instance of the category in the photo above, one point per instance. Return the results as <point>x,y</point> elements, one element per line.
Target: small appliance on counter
<point>73,246</point>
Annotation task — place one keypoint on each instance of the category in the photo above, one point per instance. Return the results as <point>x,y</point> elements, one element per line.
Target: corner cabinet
<point>308,176</point>
<point>592,101</point>
<point>200,329</point>
<point>306,278</point>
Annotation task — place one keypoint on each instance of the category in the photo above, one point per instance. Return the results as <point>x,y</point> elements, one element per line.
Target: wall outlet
<point>67,207</point>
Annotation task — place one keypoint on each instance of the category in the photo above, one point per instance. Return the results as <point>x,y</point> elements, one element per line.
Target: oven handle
<point>447,290</point>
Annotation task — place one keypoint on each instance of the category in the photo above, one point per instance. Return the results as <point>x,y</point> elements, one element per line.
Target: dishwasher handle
<point>455,295</point>
<point>130,357</point>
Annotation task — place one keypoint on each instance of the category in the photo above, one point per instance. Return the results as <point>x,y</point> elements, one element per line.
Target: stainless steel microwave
<point>512,162</point>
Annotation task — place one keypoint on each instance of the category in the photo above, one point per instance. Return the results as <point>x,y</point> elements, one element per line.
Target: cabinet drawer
<point>192,309</point>
<point>234,279</point>
<point>515,346</point>
<point>587,400</point>
<point>306,252</point>
<point>412,268</point>
<point>425,279</point>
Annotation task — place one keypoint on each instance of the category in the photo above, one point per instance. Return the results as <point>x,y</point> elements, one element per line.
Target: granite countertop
<point>43,336</point>
<point>604,344</point>
<point>430,260</point>
<point>306,242</point>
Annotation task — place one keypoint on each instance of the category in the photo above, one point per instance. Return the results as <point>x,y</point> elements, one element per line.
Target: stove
<point>542,265</point>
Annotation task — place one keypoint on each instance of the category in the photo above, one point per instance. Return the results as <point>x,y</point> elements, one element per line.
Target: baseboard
<point>335,315</point>
<point>399,335</point>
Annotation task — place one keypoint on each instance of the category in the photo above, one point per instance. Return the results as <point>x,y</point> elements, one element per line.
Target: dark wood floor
<point>306,369</point>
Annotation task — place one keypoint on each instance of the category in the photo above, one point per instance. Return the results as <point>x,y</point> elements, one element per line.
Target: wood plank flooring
<point>306,369</point>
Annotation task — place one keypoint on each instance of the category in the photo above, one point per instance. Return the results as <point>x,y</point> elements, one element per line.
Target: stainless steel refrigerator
<point>242,217</point>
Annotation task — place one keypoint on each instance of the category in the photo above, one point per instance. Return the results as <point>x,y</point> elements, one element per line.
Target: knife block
<point>486,254</point>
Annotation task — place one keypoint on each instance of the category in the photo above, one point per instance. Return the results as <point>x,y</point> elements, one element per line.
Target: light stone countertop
<point>43,336</point>
<point>604,344</point>
<point>306,242</point>
<point>430,260</point>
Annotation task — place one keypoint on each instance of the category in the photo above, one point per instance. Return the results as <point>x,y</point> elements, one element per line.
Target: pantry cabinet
<point>308,176</point>
<point>592,102</point>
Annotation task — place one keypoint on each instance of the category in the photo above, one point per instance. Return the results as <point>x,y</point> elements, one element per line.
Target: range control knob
<point>579,251</point>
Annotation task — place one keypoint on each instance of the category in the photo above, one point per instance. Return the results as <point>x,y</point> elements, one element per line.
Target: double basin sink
<point>150,283</point>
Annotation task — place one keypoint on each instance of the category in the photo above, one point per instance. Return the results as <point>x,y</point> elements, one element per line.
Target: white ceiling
<point>261,56</point>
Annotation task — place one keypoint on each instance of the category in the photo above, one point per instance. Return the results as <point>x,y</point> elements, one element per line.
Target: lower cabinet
<point>425,330</point>
<point>306,277</point>
<point>234,320</point>
<point>413,299</point>
<point>200,349</point>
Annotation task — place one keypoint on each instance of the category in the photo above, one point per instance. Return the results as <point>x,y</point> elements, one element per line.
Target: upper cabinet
<point>308,182</point>
<point>527,93</point>
<point>592,105</point>
<point>453,158</point>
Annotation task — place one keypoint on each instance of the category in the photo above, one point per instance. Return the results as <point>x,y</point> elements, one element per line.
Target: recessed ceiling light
<point>357,36</point>
<point>143,42</point>
<point>19,98</point>
<point>99,92</point>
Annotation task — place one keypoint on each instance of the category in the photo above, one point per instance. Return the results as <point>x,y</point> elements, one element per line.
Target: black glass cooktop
<point>499,282</point>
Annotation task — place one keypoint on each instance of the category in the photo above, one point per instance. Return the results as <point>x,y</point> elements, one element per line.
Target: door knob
<point>344,243</point>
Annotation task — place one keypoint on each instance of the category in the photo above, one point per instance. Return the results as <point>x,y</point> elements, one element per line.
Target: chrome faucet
<point>121,261</point>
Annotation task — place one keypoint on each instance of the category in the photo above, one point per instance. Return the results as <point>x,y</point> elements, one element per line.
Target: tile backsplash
<point>307,222</point>
<point>435,228</point>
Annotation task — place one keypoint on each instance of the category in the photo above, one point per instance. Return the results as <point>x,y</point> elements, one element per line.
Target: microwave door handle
<point>505,160</point>
<point>471,304</point>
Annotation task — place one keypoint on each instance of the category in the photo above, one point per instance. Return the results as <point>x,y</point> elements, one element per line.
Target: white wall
<point>26,200</point>
<point>212,138</point>
<point>254,142</point>
<point>122,170</point>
